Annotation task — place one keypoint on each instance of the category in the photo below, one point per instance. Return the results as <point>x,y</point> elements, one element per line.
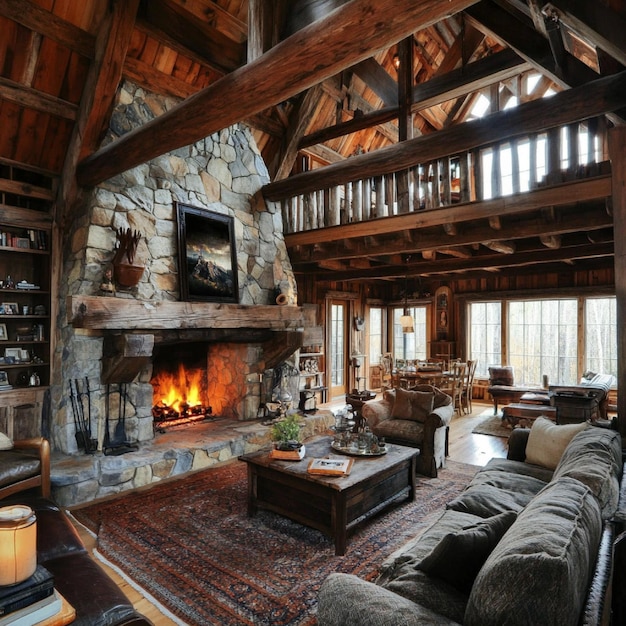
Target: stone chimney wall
<point>222,173</point>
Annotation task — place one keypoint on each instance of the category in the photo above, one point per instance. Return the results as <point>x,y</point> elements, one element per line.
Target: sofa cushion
<point>346,600</point>
<point>408,431</point>
<point>401,574</point>
<point>547,441</point>
<point>519,468</point>
<point>412,405</point>
<point>594,457</point>
<point>487,501</point>
<point>501,375</point>
<point>540,570</point>
<point>5,442</point>
<point>458,557</point>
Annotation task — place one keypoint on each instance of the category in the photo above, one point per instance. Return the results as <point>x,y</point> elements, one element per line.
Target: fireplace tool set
<point>78,394</point>
<point>80,398</point>
<point>116,444</point>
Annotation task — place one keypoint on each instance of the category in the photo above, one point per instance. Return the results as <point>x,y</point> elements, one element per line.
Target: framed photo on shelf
<point>3,332</point>
<point>4,378</point>
<point>206,255</point>
<point>10,308</point>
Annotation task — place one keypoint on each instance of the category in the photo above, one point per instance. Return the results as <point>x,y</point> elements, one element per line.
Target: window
<point>542,340</point>
<point>600,336</point>
<point>485,335</point>
<point>410,345</point>
<point>375,347</point>
<point>540,337</point>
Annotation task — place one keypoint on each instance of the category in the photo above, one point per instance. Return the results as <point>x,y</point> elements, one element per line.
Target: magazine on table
<point>330,467</point>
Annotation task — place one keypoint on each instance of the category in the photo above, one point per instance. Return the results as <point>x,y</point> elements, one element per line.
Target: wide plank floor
<point>464,447</point>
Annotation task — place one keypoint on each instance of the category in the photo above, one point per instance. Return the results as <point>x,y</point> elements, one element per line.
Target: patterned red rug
<point>190,544</point>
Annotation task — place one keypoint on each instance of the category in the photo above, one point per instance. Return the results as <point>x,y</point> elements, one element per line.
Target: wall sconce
<point>18,544</point>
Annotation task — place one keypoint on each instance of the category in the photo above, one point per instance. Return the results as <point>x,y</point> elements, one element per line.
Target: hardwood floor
<point>464,447</point>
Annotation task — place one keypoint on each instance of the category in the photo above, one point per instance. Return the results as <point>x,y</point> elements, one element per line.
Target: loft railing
<point>516,165</point>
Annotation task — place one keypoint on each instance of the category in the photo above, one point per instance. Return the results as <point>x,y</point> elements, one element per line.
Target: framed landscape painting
<point>206,255</point>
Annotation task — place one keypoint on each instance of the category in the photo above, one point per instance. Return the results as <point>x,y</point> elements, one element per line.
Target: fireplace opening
<point>180,386</point>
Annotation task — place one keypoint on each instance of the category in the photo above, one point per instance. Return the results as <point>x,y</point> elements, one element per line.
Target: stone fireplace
<point>118,337</point>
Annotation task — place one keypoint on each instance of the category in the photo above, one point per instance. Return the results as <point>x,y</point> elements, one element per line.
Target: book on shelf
<point>34,613</point>
<point>330,467</point>
<point>15,597</point>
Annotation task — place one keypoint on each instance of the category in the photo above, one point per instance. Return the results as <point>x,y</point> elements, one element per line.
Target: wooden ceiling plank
<point>304,59</point>
<point>169,18</point>
<point>35,99</point>
<point>35,18</point>
<point>596,98</point>
<point>151,79</point>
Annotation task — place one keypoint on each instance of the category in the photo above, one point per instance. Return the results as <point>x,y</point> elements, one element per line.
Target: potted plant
<point>286,433</point>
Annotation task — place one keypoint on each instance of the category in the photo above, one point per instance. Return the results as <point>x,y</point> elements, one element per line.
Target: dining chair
<point>468,386</point>
<point>453,384</point>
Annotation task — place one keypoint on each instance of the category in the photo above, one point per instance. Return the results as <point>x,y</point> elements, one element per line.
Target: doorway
<point>338,347</point>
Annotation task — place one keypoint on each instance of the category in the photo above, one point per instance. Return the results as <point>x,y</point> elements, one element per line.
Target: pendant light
<point>406,320</point>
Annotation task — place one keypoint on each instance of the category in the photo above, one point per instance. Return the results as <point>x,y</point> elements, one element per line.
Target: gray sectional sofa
<point>528,542</point>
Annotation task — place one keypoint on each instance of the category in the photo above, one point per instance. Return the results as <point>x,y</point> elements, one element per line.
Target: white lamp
<point>18,544</point>
<point>406,321</point>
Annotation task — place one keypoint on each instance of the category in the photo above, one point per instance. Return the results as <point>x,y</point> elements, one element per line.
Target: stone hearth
<point>81,479</point>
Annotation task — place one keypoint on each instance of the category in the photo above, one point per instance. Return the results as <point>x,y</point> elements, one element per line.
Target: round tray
<point>354,451</point>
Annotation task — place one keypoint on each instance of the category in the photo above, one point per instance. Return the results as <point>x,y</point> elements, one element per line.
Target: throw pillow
<point>458,557</point>
<point>501,375</point>
<point>412,405</point>
<point>5,442</point>
<point>547,441</point>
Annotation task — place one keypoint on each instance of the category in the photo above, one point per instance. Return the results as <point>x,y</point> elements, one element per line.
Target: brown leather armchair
<point>25,466</point>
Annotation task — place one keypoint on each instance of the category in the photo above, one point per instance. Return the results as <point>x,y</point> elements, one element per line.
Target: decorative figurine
<point>107,285</point>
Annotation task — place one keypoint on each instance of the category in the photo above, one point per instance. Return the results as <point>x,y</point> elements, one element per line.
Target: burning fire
<point>178,390</point>
<point>180,396</point>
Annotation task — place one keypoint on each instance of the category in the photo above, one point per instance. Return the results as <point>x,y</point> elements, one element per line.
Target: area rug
<point>492,425</point>
<point>190,544</point>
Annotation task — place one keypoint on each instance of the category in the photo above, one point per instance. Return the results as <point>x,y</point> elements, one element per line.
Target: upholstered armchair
<point>24,464</point>
<point>417,417</point>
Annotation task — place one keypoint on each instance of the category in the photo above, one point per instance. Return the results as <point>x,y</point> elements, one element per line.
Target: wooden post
<point>617,154</point>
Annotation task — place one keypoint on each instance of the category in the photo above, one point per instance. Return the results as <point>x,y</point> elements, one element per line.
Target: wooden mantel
<point>110,313</point>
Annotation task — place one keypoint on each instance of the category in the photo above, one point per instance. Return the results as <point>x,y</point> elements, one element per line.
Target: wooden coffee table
<point>331,504</point>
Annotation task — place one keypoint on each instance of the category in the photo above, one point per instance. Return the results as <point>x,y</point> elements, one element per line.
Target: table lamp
<point>18,544</point>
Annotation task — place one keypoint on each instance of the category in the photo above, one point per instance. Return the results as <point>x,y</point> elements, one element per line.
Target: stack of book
<point>31,601</point>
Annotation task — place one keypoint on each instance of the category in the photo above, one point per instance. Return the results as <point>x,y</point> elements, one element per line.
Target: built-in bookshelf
<point>25,293</point>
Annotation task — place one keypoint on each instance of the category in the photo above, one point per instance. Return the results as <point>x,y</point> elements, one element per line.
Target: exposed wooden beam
<point>99,90</point>
<point>530,45</point>
<point>595,22</point>
<point>33,17</point>
<point>445,266</point>
<point>378,80</point>
<point>301,117</point>
<point>596,98</point>
<point>454,84</point>
<point>36,100</point>
<point>304,59</point>
<point>584,219</point>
